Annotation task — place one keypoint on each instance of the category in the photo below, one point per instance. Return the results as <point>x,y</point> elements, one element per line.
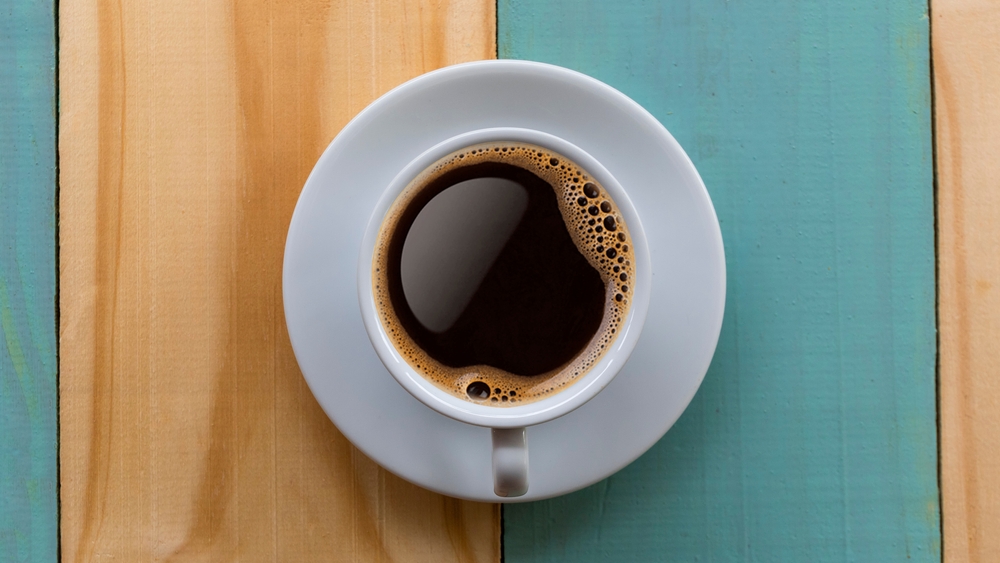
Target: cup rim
<point>576,394</point>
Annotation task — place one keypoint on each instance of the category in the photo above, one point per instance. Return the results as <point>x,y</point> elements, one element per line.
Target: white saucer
<point>321,255</point>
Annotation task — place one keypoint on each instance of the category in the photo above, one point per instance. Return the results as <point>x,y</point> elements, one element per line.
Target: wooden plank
<point>29,514</point>
<point>813,437</point>
<point>187,130</point>
<point>967,113</point>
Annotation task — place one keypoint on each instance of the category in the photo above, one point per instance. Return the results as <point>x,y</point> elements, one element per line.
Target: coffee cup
<point>433,364</point>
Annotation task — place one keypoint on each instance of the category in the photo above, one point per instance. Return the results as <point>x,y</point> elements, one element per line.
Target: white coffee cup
<point>508,424</point>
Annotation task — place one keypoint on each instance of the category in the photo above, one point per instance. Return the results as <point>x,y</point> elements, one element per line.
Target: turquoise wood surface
<point>28,476</point>
<point>813,437</point>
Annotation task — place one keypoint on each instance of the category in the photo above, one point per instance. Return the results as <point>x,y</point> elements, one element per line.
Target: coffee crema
<point>550,304</point>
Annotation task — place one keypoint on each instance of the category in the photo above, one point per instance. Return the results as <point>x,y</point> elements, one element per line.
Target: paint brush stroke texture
<point>813,437</point>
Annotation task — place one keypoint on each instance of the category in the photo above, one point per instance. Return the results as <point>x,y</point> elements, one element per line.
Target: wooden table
<point>862,309</point>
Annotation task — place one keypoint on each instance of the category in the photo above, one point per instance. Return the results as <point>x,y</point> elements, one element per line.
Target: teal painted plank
<point>28,444</point>
<point>813,437</point>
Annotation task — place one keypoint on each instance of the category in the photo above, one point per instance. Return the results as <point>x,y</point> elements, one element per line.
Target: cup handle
<point>510,462</point>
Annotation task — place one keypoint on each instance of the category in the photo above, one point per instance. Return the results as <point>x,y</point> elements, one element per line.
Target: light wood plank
<point>29,510</point>
<point>967,112</point>
<point>187,131</point>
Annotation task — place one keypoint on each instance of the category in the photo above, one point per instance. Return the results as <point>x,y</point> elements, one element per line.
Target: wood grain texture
<point>813,437</point>
<point>187,131</point>
<point>967,113</point>
<point>28,443</point>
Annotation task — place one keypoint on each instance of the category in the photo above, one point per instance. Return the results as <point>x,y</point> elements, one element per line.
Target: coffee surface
<point>503,273</point>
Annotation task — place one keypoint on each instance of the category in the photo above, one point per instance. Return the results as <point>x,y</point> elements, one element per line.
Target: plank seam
<point>937,278</point>
<point>58,266</point>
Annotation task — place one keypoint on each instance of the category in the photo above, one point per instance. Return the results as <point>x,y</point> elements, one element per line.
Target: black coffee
<point>502,272</point>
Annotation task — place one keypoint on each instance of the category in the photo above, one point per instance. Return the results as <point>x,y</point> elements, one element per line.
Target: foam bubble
<point>587,211</point>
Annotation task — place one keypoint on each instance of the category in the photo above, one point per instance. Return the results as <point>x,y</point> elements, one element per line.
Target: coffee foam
<point>595,226</point>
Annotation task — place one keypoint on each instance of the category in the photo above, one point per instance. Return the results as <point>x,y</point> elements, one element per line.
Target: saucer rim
<point>441,77</point>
